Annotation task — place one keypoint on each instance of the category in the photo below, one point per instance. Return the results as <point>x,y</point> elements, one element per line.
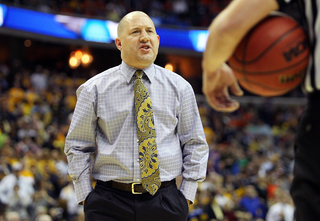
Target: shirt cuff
<point>82,189</point>
<point>189,189</point>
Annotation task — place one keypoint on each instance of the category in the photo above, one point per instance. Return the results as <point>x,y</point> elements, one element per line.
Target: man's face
<point>138,41</point>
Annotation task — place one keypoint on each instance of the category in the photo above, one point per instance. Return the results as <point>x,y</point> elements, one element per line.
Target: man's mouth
<point>146,47</point>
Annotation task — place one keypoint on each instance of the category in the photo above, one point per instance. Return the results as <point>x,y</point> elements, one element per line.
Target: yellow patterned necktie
<point>148,155</point>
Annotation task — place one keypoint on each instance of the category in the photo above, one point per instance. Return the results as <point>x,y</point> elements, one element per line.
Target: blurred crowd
<point>249,170</point>
<point>164,12</point>
<point>250,163</point>
<point>251,150</point>
<point>35,110</point>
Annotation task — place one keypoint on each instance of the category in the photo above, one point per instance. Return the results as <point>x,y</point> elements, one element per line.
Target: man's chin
<point>146,60</point>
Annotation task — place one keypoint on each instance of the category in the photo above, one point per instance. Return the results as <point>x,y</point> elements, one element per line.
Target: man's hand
<point>216,89</point>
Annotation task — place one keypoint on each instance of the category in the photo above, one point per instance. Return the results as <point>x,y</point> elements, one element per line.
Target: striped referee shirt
<point>309,12</point>
<point>103,128</point>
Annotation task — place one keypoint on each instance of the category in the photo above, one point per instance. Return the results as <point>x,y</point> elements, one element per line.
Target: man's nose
<point>144,36</point>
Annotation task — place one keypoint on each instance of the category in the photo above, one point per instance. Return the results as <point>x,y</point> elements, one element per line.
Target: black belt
<point>134,188</point>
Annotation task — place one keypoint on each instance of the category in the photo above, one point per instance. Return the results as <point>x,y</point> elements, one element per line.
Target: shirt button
<point>137,140</point>
<point>138,180</point>
<point>137,160</point>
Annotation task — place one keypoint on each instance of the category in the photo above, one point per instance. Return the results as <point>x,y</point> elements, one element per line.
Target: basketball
<point>272,58</point>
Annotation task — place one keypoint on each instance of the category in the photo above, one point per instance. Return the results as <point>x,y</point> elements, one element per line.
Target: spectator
<point>68,195</point>
<point>39,78</point>
<point>251,203</point>
<point>8,182</point>
<point>283,209</point>
<point>211,207</point>
<point>18,202</point>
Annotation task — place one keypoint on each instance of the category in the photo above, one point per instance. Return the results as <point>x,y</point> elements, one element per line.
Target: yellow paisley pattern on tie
<point>148,155</point>
<point>145,122</point>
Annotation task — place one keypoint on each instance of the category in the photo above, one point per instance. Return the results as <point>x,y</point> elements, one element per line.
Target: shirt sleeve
<point>195,149</point>
<point>80,143</point>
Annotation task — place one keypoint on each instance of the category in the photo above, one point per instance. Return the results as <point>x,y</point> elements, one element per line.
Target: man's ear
<point>118,43</point>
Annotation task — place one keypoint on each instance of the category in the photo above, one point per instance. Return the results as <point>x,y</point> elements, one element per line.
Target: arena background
<point>251,150</point>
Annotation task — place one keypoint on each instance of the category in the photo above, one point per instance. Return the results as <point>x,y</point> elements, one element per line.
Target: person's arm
<point>225,32</point>
<point>194,147</point>
<point>81,143</point>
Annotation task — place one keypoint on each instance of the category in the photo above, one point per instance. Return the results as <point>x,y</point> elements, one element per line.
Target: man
<point>225,32</point>
<point>105,123</point>
<point>282,209</point>
<point>8,183</point>
<point>68,197</point>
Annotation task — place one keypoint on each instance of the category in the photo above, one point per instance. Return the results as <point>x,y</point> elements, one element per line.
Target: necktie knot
<point>139,74</point>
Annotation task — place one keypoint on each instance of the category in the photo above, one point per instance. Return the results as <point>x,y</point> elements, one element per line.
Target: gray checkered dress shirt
<point>103,130</point>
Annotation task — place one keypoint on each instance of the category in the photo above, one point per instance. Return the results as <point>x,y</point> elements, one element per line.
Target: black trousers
<point>108,204</point>
<point>305,189</point>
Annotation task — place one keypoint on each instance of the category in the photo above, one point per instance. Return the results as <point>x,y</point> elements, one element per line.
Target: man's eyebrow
<point>139,27</point>
<point>134,28</point>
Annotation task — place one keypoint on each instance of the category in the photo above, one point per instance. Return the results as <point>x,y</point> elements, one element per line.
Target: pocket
<point>184,200</point>
<point>173,199</point>
<point>87,200</point>
<point>174,205</point>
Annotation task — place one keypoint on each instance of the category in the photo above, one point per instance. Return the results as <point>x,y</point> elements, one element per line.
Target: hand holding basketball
<point>272,58</point>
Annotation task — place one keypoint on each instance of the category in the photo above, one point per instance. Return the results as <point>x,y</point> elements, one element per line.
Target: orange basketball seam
<point>244,62</point>
<point>244,71</point>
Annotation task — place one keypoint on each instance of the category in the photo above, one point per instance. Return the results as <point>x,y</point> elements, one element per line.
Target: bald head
<point>124,21</point>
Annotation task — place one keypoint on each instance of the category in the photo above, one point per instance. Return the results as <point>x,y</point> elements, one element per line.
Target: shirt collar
<point>129,71</point>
